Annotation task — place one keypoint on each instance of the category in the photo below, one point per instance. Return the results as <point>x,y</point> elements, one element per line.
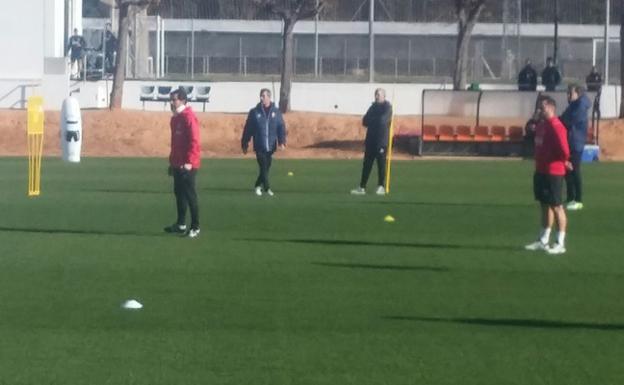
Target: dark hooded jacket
<point>377,122</point>
<point>575,118</point>
<point>265,127</point>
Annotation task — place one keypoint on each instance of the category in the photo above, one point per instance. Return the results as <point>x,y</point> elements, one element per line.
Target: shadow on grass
<point>77,232</point>
<point>169,192</point>
<point>447,204</point>
<point>353,145</point>
<point>519,323</point>
<point>421,245</point>
<point>382,267</point>
<point>126,191</point>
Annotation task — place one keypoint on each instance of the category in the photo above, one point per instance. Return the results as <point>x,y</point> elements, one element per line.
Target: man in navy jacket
<point>266,126</point>
<point>575,118</point>
<point>377,122</point>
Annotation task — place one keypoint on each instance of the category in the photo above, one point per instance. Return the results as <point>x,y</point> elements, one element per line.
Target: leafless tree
<point>290,11</point>
<point>127,10</point>
<point>621,58</point>
<point>467,12</point>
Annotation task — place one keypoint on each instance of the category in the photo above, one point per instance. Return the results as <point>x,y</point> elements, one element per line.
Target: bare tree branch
<point>290,11</point>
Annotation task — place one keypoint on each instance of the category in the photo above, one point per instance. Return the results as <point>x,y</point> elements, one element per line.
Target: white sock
<point>561,238</point>
<point>545,235</point>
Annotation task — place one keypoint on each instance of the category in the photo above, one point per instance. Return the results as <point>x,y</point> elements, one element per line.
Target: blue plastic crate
<point>590,153</point>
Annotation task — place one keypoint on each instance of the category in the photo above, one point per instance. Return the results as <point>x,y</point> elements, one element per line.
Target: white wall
<point>231,97</point>
<point>21,39</point>
<point>335,98</point>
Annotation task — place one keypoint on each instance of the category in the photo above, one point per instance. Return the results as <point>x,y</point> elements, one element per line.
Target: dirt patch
<point>310,135</point>
<point>611,139</point>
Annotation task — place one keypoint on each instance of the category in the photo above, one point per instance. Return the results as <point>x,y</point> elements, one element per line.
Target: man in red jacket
<point>551,161</point>
<point>184,161</point>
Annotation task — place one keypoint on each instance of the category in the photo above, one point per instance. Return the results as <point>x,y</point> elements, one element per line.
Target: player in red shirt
<point>551,161</point>
<point>184,161</point>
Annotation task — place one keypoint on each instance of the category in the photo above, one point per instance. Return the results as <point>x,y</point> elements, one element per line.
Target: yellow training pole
<point>34,132</point>
<point>389,154</point>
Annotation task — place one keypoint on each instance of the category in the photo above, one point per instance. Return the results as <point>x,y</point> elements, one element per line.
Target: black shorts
<point>547,188</point>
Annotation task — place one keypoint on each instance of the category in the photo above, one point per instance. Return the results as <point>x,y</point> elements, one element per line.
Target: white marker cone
<point>132,304</point>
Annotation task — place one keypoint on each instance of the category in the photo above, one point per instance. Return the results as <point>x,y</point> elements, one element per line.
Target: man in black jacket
<point>377,122</point>
<point>527,78</point>
<point>551,76</point>
<point>266,126</point>
<point>594,80</point>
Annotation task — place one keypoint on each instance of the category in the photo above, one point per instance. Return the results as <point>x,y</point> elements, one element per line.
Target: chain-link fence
<point>199,49</point>
<point>530,11</point>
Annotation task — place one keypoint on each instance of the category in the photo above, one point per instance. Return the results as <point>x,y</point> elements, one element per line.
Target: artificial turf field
<point>310,286</point>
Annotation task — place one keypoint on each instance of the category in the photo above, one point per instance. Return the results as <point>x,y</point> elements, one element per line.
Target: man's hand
<point>187,166</point>
<point>244,150</point>
<point>568,165</point>
<point>282,146</point>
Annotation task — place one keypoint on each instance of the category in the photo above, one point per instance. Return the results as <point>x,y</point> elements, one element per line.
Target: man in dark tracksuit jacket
<point>575,119</point>
<point>527,78</point>
<point>266,126</point>
<point>377,122</point>
<point>550,76</point>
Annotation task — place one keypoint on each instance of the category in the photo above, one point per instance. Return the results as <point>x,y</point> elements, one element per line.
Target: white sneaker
<point>358,191</point>
<point>381,190</point>
<point>537,246</point>
<point>258,191</point>
<point>557,248</point>
<point>573,206</point>
<point>269,192</point>
<point>193,233</point>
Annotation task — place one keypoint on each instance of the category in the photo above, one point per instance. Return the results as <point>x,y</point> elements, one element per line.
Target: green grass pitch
<point>310,286</point>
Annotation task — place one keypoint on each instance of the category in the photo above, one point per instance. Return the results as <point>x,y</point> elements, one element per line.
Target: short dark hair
<point>268,91</point>
<point>577,88</point>
<point>549,100</point>
<point>179,94</point>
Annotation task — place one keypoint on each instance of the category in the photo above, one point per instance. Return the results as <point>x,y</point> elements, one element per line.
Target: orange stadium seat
<point>516,134</point>
<point>482,134</point>
<point>498,134</point>
<point>464,134</point>
<point>429,133</point>
<point>446,133</point>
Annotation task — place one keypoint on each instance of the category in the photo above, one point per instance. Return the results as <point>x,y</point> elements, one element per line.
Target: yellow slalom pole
<point>34,133</point>
<point>389,154</point>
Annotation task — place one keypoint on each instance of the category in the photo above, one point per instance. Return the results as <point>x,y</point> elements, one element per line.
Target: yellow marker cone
<point>290,173</point>
<point>389,218</point>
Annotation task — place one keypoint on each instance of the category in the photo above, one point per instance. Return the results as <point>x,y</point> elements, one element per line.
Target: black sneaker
<point>175,229</point>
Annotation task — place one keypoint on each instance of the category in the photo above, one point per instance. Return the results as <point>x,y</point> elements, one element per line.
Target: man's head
<point>380,95</point>
<point>265,97</point>
<point>549,62</point>
<point>177,98</point>
<point>109,27</point>
<point>528,62</point>
<point>594,70</point>
<point>75,31</point>
<point>548,107</point>
<point>575,91</point>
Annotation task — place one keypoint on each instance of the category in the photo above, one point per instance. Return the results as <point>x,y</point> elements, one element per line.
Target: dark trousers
<point>186,196</point>
<point>264,164</point>
<point>574,185</point>
<point>370,155</point>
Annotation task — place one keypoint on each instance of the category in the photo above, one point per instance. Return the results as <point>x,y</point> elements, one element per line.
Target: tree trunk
<point>287,64</point>
<point>120,60</point>
<point>461,54</point>
<point>467,16</point>
<point>621,115</point>
<point>556,38</point>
